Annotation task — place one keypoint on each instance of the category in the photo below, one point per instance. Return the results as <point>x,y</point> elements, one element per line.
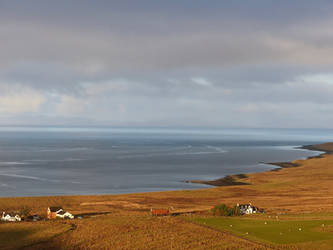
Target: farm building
<point>247,209</point>
<point>10,217</point>
<point>58,212</point>
<point>159,212</point>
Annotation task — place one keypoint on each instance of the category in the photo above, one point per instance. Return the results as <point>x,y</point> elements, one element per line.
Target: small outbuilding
<point>159,212</point>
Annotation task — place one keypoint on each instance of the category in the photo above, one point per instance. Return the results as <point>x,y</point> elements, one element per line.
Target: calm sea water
<point>60,161</point>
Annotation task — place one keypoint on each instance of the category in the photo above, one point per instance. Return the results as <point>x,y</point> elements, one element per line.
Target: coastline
<point>240,179</point>
<point>236,179</point>
<point>312,175</point>
<point>301,193</point>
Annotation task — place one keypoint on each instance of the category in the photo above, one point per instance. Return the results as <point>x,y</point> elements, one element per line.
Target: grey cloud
<point>204,63</point>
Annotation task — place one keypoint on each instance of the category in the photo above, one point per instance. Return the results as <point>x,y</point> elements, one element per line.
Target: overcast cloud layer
<point>167,63</point>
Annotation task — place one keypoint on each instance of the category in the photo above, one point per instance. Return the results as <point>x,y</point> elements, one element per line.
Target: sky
<point>175,63</point>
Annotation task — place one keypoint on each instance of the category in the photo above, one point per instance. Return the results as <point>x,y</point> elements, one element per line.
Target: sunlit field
<point>275,230</point>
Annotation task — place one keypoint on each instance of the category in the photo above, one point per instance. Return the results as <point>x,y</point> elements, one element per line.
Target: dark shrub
<point>235,211</point>
<point>224,210</point>
<point>221,210</point>
<point>25,211</point>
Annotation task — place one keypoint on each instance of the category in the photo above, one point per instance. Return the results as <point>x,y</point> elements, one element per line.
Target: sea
<point>45,161</point>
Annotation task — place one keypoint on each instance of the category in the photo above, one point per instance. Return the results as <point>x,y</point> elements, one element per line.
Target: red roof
<point>160,212</point>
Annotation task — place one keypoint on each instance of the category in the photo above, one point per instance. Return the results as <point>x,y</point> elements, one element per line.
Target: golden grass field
<point>123,221</point>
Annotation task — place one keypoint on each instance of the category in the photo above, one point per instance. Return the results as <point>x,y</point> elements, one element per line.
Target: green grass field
<point>272,230</point>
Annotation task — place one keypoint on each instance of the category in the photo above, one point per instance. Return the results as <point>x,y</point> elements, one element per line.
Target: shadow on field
<point>31,235</point>
<point>15,237</point>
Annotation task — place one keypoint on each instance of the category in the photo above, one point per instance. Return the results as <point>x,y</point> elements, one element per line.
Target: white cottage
<point>64,215</point>
<point>247,209</point>
<point>58,212</point>
<point>10,217</point>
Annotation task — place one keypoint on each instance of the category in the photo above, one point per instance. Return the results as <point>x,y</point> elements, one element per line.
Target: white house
<point>64,215</point>
<point>9,217</point>
<point>58,212</point>
<point>247,209</point>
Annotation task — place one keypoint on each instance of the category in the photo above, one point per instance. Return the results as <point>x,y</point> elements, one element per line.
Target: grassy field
<point>301,197</point>
<point>274,231</point>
